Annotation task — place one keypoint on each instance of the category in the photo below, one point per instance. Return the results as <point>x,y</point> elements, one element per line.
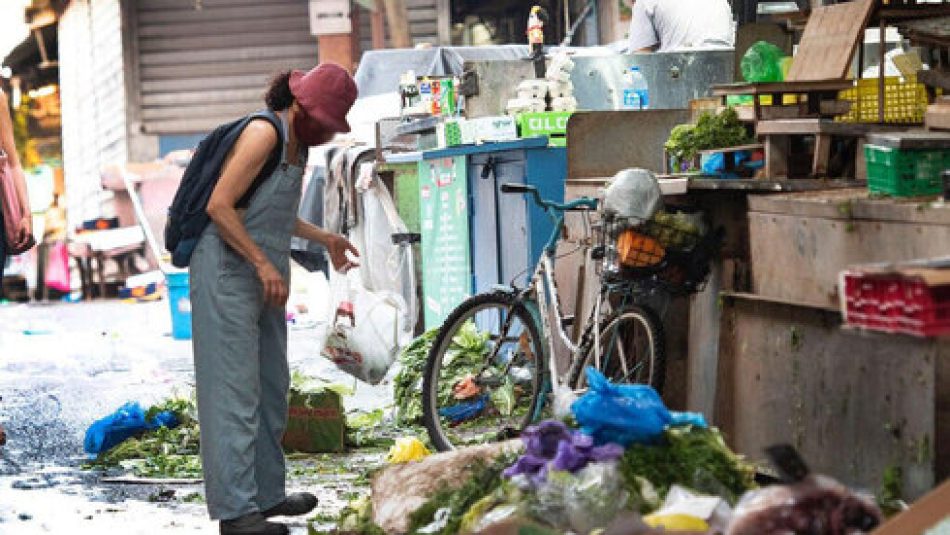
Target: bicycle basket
<point>672,249</point>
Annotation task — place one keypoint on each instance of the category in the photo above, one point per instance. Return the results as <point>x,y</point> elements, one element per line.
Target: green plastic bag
<point>762,63</point>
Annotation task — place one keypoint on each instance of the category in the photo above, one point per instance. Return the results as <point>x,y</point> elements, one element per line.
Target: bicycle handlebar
<point>584,203</point>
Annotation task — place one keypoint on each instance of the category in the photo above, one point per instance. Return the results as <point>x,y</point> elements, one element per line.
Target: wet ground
<point>62,366</point>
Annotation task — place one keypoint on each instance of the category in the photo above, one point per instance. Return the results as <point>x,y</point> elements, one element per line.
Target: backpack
<point>187,215</point>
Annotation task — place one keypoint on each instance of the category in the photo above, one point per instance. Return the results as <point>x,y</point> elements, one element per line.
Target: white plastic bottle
<point>636,92</point>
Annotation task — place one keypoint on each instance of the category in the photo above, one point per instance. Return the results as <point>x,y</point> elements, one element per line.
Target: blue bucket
<point>180,300</point>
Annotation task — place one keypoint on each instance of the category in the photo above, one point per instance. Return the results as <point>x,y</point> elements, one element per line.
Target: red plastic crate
<point>895,303</point>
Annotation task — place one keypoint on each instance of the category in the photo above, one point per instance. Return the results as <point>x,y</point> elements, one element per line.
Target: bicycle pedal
<point>567,321</point>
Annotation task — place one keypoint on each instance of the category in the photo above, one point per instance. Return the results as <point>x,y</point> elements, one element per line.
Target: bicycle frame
<point>543,283</point>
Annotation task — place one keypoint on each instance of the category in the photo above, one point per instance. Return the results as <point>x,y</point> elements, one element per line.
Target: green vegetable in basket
<point>673,231</point>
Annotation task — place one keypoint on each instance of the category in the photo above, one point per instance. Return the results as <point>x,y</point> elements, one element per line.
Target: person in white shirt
<point>671,25</point>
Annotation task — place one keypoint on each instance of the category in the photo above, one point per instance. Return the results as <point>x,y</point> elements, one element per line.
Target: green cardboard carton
<point>316,422</point>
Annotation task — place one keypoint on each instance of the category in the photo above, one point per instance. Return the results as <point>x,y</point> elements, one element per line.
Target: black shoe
<point>296,504</point>
<point>252,524</point>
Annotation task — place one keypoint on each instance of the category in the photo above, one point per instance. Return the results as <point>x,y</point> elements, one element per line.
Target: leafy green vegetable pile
<point>692,457</point>
<point>464,358</point>
<point>710,132</point>
<point>163,453</point>
<point>408,382</point>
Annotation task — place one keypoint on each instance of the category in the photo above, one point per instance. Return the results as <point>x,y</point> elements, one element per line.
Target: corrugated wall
<point>423,24</point>
<point>198,68</point>
<point>93,100</point>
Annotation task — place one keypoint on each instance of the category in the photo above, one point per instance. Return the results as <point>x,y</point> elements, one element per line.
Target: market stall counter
<point>692,324</point>
<point>784,349</point>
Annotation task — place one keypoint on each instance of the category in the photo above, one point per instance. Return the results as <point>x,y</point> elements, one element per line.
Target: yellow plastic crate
<point>904,102</point>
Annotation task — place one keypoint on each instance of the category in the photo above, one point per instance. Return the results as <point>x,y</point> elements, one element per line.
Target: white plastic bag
<point>368,329</point>
<point>633,194</point>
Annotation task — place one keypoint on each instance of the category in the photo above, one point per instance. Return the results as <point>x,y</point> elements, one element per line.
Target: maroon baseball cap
<point>326,93</point>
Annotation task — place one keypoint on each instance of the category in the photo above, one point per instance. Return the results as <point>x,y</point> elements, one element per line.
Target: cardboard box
<point>928,512</point>
<point>550,123</point>
<point>500,128</point>
<point>316,423</point>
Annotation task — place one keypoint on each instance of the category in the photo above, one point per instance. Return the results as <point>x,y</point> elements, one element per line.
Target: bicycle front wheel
<point>632,350</point>
<point>484,374</point>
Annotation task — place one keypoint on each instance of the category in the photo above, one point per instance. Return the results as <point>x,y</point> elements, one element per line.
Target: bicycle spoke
<point>488,382</point>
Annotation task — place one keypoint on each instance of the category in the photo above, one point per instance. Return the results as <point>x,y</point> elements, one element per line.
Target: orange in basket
<point>637,251</point>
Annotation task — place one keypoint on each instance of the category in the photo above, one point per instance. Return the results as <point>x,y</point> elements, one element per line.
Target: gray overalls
<point>240,348</point>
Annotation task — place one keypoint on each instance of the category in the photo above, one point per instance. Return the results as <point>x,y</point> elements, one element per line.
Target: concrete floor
<point>62,366</point>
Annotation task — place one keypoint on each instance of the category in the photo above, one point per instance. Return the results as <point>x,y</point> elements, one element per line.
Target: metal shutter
<point>423,24</point>
<point>198,68</point>
<point>424,21</point>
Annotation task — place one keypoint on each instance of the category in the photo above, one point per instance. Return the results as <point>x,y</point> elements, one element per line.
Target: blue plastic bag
<point>126,422</point>
<point>464,411</point>
<point>626,414</point>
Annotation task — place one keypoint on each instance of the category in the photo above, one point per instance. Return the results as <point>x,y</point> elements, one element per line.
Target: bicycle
<point>491,366</point>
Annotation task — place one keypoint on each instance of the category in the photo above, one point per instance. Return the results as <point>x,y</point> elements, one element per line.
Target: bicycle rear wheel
<point>484,374</point>
<point>632,350</point>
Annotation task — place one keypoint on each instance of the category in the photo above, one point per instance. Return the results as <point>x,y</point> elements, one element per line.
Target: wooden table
<point>777,137</point>
<point>821,97</point>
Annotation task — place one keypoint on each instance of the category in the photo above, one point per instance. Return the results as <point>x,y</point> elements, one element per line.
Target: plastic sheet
<point>584,501</point>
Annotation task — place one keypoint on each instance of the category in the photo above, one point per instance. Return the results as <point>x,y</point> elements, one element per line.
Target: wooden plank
<point>830,39</point>
<point>703,347</point>
<point>852,403</point>
<point>942,434</point>
<point>806,86</point>
<point>815,250</point>
<point>851,204</point>
<point>938,116</point>
<point>768,186</point>
<point>638,140</point>
<point>819,167</point>
<point>821,126</point>
<point>234,54</point>
<point>777,151</point>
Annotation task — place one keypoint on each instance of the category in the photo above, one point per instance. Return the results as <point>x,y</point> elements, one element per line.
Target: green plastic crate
<point>905,173</point>
<point>550,123</point>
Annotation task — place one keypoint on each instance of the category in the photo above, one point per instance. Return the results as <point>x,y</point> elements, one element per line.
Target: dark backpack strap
<point>272,162</point>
